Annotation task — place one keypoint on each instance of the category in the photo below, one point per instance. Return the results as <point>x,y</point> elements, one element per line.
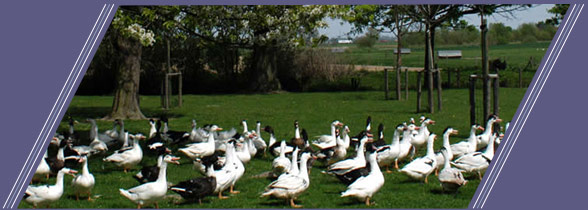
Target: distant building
<point>344,41</point>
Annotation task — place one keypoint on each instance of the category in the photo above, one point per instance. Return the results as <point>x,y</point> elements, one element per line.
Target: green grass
<point>315,111</point>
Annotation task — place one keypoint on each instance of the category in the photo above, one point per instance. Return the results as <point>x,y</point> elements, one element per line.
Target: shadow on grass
<point>100,112</point>
<point>277,203</point>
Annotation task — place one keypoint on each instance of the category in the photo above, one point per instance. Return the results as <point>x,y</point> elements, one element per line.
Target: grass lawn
<point>315,112</point>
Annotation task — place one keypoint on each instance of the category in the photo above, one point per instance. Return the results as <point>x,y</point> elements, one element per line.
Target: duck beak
<point>219,129</point>
<point>417,128</point>
<point>481,128</point>
<point>455,132</point>
<point>498,120</point>
<point>72,173</point>
<point>175,160</point>
<point>432,122</point>
<point>168,151</point>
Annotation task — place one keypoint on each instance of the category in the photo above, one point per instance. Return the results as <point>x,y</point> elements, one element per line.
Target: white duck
<point>366,186</point>
<point>405,146</point>
<point>446,144</point>
<point>420,139</point>
<point>43,169</point>
<point>420,168</point>
<point>150,192</point>
<point>281,164</point>
<point>231,172</point>
<point>451,179</point>
<point>476,161</point>
<point>345,136</point>
<point>83,183</point>
<point>46,194</point>
<point>344,166</point>
<point>112,133</point>
<point>290,186</point>
<point>501,135</point>
<point>328,141</point>
<point>293,164</point>
<point>244,152</point>
<point>202,149</point>
<point>249,141</point>
<point>389,153</point>
<point>484,138</point>
<point>258,140</point>
<point>127,157</point>
<point>468,146</point>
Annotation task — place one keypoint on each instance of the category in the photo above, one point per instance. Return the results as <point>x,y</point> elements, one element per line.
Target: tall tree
<point>559,11</point>
<point>130,38</point>
<point>266,30</point>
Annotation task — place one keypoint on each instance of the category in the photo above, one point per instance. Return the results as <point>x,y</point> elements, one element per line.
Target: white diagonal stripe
<point>574,14</point>
<point>31,162</point>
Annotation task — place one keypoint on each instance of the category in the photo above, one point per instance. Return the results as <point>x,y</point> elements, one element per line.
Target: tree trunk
<point>485,79</point>
<point>429,69</point>
<point>126,96</point>
<point>398,55</point>
<point>264,69</point>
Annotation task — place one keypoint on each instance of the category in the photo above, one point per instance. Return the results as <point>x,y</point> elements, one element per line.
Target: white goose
<point>420,139</point>
<point>281,164</point>
<point>290,186</point>
<point>258,141</point>
<point>43,169</point>
<point>345,136</point>
<point>127,157</point>
<point>293,164</point>
<point>484,138</point>
<point>389,153</point>
<point>469,146</point>
<point>150,192</point>
<point>451,179</point>
<point>344,166</point>
<point>405,146</point>
<point>476,161</point>
<point>231,172</point>
<point>83,183</point>
<point>420,168</point>
<point>244,152</point>
<point>152,128</point>
<point>366,186</point>
<point>45,194</point>
<point>446,144</point>
<point>202,149</point>
<point>328,141</point>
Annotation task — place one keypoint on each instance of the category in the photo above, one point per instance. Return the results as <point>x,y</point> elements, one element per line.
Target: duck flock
<point>222,156</point>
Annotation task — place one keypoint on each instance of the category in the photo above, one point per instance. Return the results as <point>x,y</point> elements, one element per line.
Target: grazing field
<point>516,54</point>
<point>315,112</point>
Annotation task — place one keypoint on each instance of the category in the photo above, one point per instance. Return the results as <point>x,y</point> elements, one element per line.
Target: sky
<point>532,15</point>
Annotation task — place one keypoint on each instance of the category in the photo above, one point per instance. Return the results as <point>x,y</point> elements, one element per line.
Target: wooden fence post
<point>473,99</point>
<point>439,91</point>
<point>419,91</point>
<point>180,90</point>
<point>386,88</point>
<point>406,84</point>
<point>496,86</point>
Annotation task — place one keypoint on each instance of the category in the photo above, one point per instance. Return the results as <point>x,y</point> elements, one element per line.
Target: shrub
<point>312,65</point>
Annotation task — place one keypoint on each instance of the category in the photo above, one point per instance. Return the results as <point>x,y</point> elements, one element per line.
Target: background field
<point>315,111</point>
<point>516,55</point>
